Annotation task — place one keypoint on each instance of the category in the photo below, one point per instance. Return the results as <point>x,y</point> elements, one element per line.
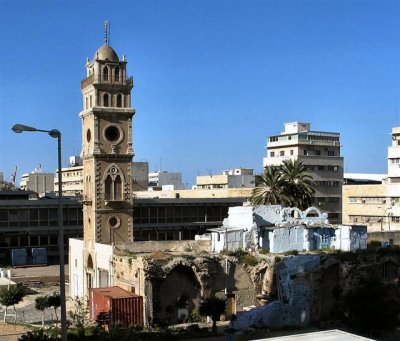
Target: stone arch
<point>311,209</point>
<point>181,281</point>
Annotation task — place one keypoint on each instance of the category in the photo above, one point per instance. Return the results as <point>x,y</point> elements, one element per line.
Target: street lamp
<point>19,128</point>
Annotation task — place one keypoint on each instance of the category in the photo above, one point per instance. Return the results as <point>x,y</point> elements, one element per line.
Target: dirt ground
<point>11,332</point>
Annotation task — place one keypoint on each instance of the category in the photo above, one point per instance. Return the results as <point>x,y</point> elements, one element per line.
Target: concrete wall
<point>140,175</point>
<point>164,246</point>
<point>76,268</point>
<point>287,239</point>
<point>393,237</point>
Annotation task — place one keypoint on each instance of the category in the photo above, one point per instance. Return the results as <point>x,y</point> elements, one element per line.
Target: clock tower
<point>107,154</point>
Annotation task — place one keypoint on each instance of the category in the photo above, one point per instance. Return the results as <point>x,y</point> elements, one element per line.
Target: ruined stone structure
<point>107,154</point>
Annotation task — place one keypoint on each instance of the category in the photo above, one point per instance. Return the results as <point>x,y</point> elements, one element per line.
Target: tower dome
<point>106,52</point>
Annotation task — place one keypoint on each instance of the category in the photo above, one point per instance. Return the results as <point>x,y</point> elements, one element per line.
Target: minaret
<point>107,153</point>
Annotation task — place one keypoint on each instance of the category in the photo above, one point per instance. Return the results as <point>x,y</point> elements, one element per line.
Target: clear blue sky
<point>213,79</point>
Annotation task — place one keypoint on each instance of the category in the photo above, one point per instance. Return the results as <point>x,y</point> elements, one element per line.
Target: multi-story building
<point>377,205</point>
<point>38,181</point>
<point>320,152</point>
<point>27,222</point>
<point>165,181</point>
<point>232,178</point>
<point>71,178</point>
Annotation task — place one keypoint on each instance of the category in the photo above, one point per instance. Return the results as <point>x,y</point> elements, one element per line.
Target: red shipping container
<point>116,305</point>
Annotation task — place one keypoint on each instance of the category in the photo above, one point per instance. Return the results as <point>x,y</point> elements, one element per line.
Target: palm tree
<point>270,189</point>
<point>288,184</point>
<point>299,184</point>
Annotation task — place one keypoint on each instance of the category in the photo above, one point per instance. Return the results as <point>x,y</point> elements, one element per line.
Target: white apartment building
<point>71,178</point>
<point>320,152</point>
<point>232,178</point>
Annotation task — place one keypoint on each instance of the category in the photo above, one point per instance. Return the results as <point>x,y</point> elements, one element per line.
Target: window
<point>105,73</point>
<point>113,184</point>
<point>116,77</point>
<point>106,100</point>
<point>272,154</point>
<point>321,168</point>
<point>291,151</point>
<point>331,153</point>
<point>305,152</point>
<point>282,153</point>
<point>90,100</point>
<point>273,139</point>
<point>317,152</point>
<point>119,100</point>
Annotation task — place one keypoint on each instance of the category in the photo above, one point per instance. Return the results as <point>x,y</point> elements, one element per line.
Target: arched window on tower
<point>105,74</point>
<point>113,184</point>
<point>106,100</point>
<point>116,75</point>
<point>118,188</point>
<point>119,100</point>
<point>108,184</point>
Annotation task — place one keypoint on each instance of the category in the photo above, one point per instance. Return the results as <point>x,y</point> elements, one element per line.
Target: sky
<point>213,78</point>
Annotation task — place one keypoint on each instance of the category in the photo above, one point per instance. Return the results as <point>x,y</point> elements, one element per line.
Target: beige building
<point>38,181</point>
<point>232,178</point>
<point>320,152</point>
<point>378,205</point>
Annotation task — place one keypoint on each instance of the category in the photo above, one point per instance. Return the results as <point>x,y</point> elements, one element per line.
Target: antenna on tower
<point>107,32</point>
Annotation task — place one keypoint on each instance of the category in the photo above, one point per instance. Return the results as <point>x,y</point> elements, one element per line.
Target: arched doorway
<point>175,296</point>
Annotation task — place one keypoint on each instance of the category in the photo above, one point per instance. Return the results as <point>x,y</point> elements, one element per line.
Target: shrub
<point>250,260</point>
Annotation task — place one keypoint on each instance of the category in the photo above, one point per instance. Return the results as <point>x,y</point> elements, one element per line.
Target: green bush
<point>250,260</point>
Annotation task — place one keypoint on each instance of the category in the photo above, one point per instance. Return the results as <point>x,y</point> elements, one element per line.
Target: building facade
<point>165,181</point>
<point>320,152</point>
<point>232,178</point>
<point>27,222</point>
<point>71,178</point>
<point>377,205</point>
<point>38,181</point>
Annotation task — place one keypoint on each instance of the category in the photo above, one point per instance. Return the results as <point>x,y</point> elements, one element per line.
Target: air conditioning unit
<point>363,201</point>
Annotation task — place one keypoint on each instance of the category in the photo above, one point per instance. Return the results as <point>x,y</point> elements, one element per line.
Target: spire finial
<point>107,32</point>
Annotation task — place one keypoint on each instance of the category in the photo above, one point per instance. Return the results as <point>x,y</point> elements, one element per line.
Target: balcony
<point>98,80</point>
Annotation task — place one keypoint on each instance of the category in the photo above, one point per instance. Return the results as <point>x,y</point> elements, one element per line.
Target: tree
<point>213,307</point>
<point>11,297</point>
<point>287,185</point>
<point>270,189</point>
<point>54,302</point>
<point>299,185</point>
<point>41,303</point>
<point>80,315</point>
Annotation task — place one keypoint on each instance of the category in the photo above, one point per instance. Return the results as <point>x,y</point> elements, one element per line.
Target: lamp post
<point>19,128</point>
